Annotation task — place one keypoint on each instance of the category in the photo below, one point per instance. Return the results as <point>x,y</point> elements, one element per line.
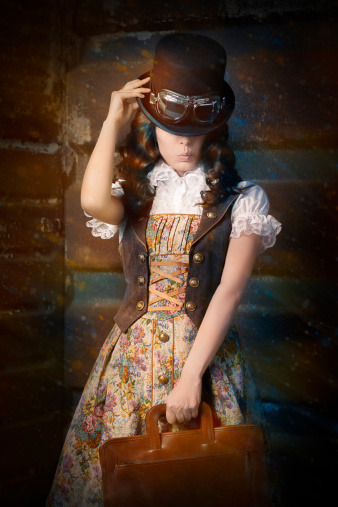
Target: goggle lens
<point>206,113</point>
<point>170,108</point>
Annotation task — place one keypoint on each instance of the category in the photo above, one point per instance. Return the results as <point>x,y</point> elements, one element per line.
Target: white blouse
<point>181,195</point>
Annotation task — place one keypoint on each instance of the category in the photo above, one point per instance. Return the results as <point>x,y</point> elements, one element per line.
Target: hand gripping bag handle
<point>157,411</point>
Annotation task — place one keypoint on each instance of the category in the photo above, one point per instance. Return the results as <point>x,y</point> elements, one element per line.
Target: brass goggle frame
<point>180,105</point>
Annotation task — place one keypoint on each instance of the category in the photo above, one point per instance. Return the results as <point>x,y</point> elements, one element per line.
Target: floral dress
<point>138,369</point>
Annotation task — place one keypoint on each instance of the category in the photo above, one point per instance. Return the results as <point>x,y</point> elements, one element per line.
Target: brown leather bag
<point>207,467</point>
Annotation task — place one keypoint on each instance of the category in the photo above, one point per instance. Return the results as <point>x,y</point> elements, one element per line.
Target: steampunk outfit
<point>173,262</point>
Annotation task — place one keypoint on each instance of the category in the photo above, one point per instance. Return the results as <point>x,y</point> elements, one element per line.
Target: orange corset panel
<point>169,239</point>
<point>171,295</point>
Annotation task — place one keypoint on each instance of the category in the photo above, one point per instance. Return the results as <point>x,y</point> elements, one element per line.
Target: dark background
<point>60,60</point>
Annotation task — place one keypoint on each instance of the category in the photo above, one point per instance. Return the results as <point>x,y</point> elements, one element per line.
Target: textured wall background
<point>60,61</point>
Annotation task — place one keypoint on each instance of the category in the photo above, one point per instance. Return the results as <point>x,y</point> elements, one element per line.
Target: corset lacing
<point>169,294</point>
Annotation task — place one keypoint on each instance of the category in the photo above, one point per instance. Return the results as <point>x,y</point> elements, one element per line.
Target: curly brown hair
<point>139,153</point>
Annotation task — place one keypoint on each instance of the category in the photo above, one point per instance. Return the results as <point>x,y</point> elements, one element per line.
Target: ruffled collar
<point>163,172</point>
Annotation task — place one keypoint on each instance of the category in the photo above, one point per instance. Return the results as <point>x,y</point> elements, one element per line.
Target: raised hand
<point>123,102</point>
<point>96,198</point>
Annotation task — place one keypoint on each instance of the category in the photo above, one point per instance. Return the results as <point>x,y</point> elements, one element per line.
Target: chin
<point>185,166</point>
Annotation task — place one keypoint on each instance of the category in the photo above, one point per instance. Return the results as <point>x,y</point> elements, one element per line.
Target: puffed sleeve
<point>101,229</point>
<point>250,215</point>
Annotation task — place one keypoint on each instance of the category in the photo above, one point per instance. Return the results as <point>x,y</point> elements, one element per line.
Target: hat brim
<point>188,126</point>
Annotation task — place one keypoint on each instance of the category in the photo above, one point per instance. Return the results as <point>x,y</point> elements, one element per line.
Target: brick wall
<point>32,248</point>
<point>61,63</point>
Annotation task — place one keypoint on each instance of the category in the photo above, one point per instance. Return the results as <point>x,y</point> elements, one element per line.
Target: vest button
<point>163,379</point>
<point>142,257</point>
<point>163,337</point>
<point>191,306</point>
<point>194,282</point>
<point>211,214</point>
<point>140,306</point>
<point>198,258</point>
<point>140,280</point>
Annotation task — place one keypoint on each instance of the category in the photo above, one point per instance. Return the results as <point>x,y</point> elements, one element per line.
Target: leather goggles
<point>174,107</point>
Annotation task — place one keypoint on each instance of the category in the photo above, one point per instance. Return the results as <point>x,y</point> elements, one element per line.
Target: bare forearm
<point>96,187</point>
<point>223,305</point>
<point>96,196</point>
<point>183,401</point>
<point>212,331</point>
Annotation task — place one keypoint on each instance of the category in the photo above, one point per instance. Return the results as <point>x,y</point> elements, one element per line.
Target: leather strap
<point>166,295</point>
<point>171,276</point>
<point>168,263</point>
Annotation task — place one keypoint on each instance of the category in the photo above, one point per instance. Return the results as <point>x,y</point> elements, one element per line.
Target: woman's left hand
<point>184,400</point>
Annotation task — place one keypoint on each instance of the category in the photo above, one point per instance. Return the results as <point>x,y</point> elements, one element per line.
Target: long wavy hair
<point>139,153</point>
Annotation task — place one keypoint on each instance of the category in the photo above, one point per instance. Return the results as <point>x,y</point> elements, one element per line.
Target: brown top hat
<point>192,66</point>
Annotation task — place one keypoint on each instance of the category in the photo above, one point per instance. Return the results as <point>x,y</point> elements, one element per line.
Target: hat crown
<point>189,64</point>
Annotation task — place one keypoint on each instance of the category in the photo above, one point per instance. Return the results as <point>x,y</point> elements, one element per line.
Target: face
<point>182,153</point>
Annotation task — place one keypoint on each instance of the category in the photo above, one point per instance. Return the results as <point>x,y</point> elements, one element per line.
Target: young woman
<point>190,230</point>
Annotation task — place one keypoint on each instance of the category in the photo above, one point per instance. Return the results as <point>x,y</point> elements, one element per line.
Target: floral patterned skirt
<point>133,372</point>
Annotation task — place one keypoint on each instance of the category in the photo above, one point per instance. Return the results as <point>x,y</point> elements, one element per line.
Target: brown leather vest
<point>206,262</point>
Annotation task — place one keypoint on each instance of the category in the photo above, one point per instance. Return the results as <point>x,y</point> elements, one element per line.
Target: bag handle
<point>207,426</point>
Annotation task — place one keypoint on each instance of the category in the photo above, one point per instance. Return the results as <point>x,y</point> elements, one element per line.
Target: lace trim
<point>102,230</point>
<point>248,223</point>
<point>176,194</point>
<point>163,172</point>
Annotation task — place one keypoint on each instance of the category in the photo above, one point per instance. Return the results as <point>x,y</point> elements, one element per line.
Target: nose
<point>185,142</point>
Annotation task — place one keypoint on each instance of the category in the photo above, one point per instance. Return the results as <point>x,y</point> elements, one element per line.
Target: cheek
<point>199,141</point>
<point>161,147</point>
<point>163,142</point>
<point>166,148</point>
<point>198,147</point>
